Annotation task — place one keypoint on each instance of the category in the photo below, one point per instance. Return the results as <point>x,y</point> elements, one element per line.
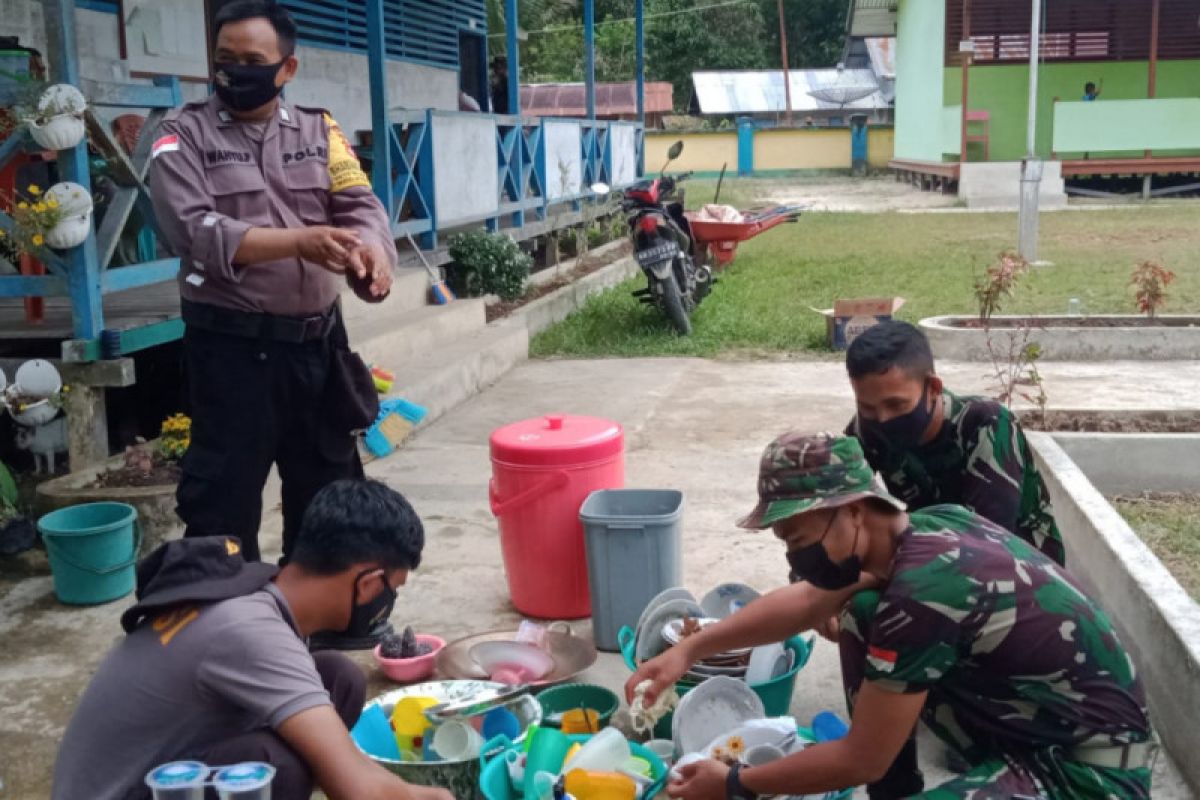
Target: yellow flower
<point>52,203</point>
<point>22,205</point>
<point>34,189</point>
<point>38,240</point>
<point>3,233</point>
<point>736,745</point>
<point>40,208</point>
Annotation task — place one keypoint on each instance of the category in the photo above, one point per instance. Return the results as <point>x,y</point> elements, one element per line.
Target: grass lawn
<point>762,302</point>
<point>1170,525</point>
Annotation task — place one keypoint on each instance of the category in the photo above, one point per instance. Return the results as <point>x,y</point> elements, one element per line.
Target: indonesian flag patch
<point>164,144</point>
<point>882,660</point>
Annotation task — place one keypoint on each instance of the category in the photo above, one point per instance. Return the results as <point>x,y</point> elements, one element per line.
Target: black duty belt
<point>291,330</point>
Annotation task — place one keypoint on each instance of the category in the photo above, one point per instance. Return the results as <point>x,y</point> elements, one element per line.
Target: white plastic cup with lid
<point>178,780</point>
<point>250,780</point>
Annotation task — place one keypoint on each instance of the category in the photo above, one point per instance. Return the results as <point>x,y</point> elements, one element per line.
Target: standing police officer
<point>269,212</point>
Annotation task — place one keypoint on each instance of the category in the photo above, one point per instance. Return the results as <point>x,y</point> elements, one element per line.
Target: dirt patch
<point>1079,322</point>
<point>1185,421</point>
<point>584,266</point>
<point>130,477</point>
<point>1170,525</point>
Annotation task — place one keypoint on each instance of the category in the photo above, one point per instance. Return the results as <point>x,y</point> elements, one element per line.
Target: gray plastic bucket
<point>633,553</point>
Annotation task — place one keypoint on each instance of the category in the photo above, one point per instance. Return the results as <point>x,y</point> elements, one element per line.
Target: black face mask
<point>245,87</point>
<point>366,616</point>
<point>899,433</point>
<point>813,564</point>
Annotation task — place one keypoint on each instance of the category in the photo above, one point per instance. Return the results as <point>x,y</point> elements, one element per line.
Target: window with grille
<point>1075,30</point>
<point>423,31</point>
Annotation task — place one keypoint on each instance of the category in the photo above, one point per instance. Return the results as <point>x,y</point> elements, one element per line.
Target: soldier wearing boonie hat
<point>946,618</point>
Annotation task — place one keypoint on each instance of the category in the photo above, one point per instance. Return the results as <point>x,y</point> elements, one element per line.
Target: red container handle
<point>553,482</point>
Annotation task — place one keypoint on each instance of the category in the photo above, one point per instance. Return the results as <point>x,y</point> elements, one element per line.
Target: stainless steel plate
<point>572,655</point>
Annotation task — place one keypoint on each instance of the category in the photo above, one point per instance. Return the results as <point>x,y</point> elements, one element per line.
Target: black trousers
<point>347,687</point>
<point>254,403</point>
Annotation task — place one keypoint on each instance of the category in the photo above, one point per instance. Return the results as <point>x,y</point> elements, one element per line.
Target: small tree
<point>1150,281</point>
<point>1014,360</point>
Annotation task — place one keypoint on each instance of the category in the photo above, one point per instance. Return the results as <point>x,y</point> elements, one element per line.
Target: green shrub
<point>488,263</point>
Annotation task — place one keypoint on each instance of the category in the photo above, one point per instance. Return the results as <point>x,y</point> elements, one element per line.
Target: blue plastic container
<point>495,784</point>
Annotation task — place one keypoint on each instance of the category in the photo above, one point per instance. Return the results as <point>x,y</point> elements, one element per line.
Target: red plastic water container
<point>542,471</point>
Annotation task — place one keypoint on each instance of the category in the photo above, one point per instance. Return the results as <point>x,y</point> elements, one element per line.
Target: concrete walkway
<point>693,425</point>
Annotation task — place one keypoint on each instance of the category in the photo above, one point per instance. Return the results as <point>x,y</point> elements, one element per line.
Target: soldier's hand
<point>370,262</point>
<point>328,246</point>
<point>704,780</point>
<point>831,629</point>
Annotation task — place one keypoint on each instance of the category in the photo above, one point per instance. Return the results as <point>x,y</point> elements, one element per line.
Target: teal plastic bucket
<point>494,783</point>
<point>776,694</point>
<point>93,550</point>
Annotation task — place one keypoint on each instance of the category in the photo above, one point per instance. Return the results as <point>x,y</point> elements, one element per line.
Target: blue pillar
<point>381,134</point>
<point>745,128</point>
<point>83,278</point>
<point>640,49</point>
<point>511,23</point>
<point>589,55</point>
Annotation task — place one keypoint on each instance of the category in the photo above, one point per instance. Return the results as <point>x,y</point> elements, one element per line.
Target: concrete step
<point>410,290</point>
<point>454,372</point>
<point>391,339</point>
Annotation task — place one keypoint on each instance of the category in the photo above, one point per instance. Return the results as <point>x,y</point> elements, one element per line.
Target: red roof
<point>612,99</point>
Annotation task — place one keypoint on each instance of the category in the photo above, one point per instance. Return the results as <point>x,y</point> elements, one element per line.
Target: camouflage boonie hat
<point>802,472</point>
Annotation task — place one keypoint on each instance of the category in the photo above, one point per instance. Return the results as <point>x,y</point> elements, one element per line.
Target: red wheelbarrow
<point>720,239</point>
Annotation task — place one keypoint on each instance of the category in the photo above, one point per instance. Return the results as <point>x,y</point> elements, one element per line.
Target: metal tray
<point>572,655</point>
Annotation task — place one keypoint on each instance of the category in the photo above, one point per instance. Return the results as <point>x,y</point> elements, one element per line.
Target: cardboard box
<point>849,318</point>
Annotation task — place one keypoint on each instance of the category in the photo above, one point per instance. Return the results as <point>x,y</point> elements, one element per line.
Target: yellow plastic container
<point>585,785</point>
<point>409,722</point>
<point>580,720</point>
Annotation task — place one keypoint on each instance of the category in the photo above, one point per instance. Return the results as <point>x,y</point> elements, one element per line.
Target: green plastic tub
<point>493,773</point>
<point>568,696</point>
<point>776,694</point>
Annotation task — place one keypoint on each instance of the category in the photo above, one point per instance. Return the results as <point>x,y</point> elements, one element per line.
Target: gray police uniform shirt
<point>186,680</point>
<point>213,178</point>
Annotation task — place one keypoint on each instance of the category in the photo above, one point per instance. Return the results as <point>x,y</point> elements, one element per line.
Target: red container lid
<point>557,440</point>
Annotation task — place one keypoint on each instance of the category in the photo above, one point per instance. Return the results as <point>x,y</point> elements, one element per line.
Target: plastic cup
<point>589,785</point>
<point>408,717</point>
<point>456,741</point>
<point>547,752</point>
<point>761,754</point>
<point>542,785</point>
<point>580,720</point>
<point>247,781</point>
<point>605,752</point>
<point>373,734</point>
<point>664,749</point>
<point>501,721</point>
<point>178,780</point>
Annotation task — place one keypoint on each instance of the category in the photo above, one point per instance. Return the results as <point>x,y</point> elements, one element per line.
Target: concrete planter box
<point>1102,337</point>
<point>1153,614</point>
<point>155,504</point>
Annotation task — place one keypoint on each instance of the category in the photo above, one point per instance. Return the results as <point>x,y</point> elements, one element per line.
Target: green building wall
<point>1003,90</point>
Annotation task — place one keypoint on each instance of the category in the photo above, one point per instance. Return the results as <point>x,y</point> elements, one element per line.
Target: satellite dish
<point>843,89</point>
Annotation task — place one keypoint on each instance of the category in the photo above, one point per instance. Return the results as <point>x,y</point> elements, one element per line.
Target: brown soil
<point>1112,421</point>
<point>586,266</point>
<point>128,477</point>
<point>1079,322</point>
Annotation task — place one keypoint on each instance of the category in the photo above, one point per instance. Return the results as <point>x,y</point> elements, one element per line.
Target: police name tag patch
<point>164,144</point>
<point>344,169</point>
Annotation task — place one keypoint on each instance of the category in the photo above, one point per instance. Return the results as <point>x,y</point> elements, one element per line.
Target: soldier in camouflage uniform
<point>933,447</point>
<point>945,617</point>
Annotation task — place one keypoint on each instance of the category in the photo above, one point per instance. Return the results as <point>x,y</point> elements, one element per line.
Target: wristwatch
<point>734,790</point>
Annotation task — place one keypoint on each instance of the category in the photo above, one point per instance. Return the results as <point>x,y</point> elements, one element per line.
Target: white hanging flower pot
<point>60,132</point>
<point>76,205</point>
<point>69,232</point>
<point>59,121</point>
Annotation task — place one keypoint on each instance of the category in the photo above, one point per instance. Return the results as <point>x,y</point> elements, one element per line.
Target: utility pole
<point>787,81</point>
<point>1031,166</point>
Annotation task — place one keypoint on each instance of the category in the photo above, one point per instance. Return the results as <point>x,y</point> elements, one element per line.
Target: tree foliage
<point>682,36</point>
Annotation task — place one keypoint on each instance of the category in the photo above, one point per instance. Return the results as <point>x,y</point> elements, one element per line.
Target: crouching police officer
<point>269,212</point>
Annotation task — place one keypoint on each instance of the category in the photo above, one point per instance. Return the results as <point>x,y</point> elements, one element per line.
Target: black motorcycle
<point>663,245</point>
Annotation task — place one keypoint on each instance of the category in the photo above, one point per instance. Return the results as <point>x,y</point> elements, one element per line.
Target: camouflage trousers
<point>994,775</point>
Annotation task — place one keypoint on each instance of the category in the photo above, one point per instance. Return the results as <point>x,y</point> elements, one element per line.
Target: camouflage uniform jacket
<point>1016,658</point>
<point>980,459</point>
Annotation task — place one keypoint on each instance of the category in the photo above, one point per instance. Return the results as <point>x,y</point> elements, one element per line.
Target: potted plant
<point>58,124</point>
<point>59,218</point>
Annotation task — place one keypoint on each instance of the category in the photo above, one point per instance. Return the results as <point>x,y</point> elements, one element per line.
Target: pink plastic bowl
<point>411,670</point>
